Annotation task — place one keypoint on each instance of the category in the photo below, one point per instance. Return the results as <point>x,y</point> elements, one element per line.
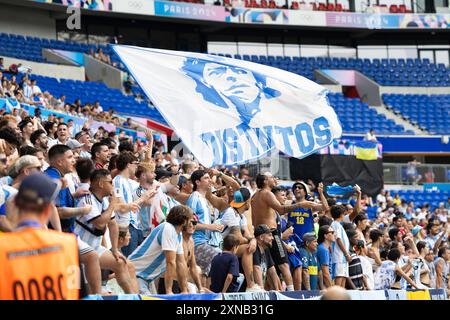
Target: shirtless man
<point>264,204</point>
<point>189,257</point>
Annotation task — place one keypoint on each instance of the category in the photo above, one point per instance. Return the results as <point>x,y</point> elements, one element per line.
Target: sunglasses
<point>194,222</point>
<point>4,160</point>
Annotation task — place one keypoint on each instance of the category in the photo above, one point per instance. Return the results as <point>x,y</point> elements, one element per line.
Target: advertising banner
<point>263,16</point>
<point>437,294</point>
<point>134,6</point>
<point>395,294</point>
<point>361,20</point>
<point>189,11</point>
<point>299,295</point>
<point>101,5</point>
<point>424,21</point>
<point>250,296</point>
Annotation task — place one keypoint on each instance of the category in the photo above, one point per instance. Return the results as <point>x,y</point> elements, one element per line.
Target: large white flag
<point>229,111</point>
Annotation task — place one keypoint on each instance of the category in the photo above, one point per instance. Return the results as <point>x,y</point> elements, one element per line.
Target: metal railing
<point>393,173</point>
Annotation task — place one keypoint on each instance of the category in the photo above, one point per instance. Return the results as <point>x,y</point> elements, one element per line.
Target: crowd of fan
<point>27,91</point>
<point>148,221</point>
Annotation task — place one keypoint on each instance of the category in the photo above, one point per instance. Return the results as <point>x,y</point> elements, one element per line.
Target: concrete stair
<point>398,119</point>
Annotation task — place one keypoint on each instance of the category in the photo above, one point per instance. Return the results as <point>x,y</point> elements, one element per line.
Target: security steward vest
<point>38,264</point>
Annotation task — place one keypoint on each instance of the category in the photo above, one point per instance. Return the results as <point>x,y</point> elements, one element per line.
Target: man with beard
<point>100,155</point>
<point>263,265</point>
<point>84,138</point>
<point>302,218</point>
<point>264,205</point>
<point>39,139</point>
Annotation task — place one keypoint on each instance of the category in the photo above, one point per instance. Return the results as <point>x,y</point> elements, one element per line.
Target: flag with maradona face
<point>229,111</point>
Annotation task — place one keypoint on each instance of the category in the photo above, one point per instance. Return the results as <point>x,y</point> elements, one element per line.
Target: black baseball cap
<point>37,190</point>
<point>162,173</point>
<point>262,229</point>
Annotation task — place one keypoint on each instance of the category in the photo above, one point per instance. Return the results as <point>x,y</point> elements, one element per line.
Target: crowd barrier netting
<point>431,294</point>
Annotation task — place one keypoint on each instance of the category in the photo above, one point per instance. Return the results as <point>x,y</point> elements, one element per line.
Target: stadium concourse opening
<point>243,150</point>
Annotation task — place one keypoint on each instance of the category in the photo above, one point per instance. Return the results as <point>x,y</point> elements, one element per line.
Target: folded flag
<point>336,190</point>
<point>366,150</point>
<point>229,111</point>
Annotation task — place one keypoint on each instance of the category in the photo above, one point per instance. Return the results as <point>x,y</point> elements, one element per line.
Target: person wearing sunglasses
<point>194,279</point>
<point>92,226</point>
<point>324,253</point>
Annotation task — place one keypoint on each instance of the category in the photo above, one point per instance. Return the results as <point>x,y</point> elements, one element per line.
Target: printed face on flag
<point>231,82</point>
<point>230,111</point>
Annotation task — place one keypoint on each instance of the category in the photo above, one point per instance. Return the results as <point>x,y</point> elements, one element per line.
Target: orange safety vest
<point>38,264</point>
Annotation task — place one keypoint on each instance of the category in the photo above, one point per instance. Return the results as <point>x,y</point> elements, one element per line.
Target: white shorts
<point>340,270</point>
<point>83,247</point>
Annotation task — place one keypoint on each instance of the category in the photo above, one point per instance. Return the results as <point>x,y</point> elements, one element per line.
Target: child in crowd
<point>225,267</point>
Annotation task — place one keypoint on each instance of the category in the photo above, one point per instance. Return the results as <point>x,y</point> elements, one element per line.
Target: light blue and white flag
<point>229,111</point>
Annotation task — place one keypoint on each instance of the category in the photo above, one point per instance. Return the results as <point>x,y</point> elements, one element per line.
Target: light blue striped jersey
<point>201,208</point>
<point>149,258</point>
<point>144,212</point>
<point>124,189</point>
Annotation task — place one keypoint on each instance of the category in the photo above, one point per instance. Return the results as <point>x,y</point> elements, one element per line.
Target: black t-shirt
<point>221,265</point>
<point>263,259</point>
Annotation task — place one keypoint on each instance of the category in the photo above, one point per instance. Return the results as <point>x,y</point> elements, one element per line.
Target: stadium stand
<point>431,113</point>
<point>420,197</point>
<point>30,48</point>
<point>387,72</point>
<point>88,91</point>
<point>357,117</point>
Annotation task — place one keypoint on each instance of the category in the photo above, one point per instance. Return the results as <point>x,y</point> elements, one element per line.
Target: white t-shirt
<point>338,255</point>
<point>385,275</point>
<point>149,258</point>
<point>231,218</point>
<point>367,272</point>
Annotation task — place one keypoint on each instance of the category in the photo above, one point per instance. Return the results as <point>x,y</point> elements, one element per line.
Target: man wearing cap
<point>308,255</point>
<point>302,218</point>
<point>263,266</point>
<point>22,168</point>
<point>185,186</point>
<point>75,146</point>
<point>84,138</point>
<point>48,259</point>
<point>264,206</point>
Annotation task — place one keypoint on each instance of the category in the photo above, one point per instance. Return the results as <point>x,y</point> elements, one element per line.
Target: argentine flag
<point>229,111</point>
